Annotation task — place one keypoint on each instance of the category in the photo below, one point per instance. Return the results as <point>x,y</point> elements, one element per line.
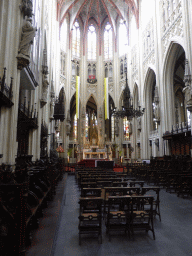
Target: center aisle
<point>67,236</point>
<point>173,234</point>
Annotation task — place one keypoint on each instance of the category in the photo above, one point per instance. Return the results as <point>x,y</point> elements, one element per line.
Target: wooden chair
<point>91,192</point>
<point>102,184</point>
<point>156,201</point>
<point>90,217</point>
<point>142,214</point>
<point>118,215</point>
<point>120,184</point>
<point>133,183</point>
<point>88,185</point>
<point>118,191</point>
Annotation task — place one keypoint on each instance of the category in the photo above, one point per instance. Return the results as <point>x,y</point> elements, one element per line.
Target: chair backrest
<point>118,203</point>
<point>88,185</point>
<point>142,203</point>
<point>90,205</point>
<point>144,190</point>
<point>91,192</point>
<point>121,191</point>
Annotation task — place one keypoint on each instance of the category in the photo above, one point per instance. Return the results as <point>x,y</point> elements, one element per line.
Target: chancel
<point>95,127</point>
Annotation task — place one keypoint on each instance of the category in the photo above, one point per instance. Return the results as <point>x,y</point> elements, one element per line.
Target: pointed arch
<point>150,82</point>
<point>89,96</point>
<point>169,61</point>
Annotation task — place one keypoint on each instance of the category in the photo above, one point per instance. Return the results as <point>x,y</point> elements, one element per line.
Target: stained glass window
<point>123,39</point>
<point>108,42</point>
<point>86,127</point>
<point>188,117</point>
<point>75,128</point>
<point>112,128</point>
<point>76,40</point>
<point>91,49</point>
<point>126,128</point>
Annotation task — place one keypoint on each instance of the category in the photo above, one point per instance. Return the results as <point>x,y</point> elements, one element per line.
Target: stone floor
<point>173,233</point>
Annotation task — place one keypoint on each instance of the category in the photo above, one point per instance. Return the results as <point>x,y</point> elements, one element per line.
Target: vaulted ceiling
<point>97,10</point>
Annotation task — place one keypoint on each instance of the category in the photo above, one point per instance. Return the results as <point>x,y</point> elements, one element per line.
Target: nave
<point>173,233</point>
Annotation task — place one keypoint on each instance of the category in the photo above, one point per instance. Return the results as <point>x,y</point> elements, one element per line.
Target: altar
<point>94,152</point>
<point>93,142</point>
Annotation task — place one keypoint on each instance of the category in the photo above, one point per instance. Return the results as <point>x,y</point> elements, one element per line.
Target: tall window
<point>91,50</point>
<point>112,128</point>
<point>86,127</point>
<point>76,40</point>
<point>108,42</point>
<point>75,128</point>
<point>188,117</point>
<point>63,36</point>
<point>126,128</point>
<point>123,39</point>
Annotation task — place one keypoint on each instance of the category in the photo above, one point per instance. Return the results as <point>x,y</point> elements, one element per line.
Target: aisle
<point>43,237</point>
<point>173,234</point>
<point>67,236</point>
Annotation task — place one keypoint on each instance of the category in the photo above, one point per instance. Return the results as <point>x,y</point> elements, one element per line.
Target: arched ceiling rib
<point>98,10</point>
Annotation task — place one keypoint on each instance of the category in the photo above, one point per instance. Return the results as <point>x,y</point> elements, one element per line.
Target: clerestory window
<point>123,39</point>
<point>108,42</point>
<point>91,49</point>
<point>76,40</point>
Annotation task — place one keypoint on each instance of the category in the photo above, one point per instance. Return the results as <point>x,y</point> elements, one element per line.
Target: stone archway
<point>176,114</point>
<point>173,84</point>
<point>150,125</point>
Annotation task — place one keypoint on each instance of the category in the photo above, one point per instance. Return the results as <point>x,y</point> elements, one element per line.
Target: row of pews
<point>24,193</point>
<point>174,174</point>
<point>121,203</point>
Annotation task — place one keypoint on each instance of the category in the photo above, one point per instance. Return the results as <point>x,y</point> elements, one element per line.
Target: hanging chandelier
<point>127,108</point>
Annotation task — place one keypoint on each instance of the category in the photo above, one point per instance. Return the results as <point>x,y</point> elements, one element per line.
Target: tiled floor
<point>173,234</point>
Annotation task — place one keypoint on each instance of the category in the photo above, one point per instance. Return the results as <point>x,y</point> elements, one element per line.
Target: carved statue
<point>116,128</point>
<point>45,88</point>
<point>156,106</point>
<point>28,34</point>
<point>83,112</point>
<point>157,112</point>
<point>52,103</point>
<point>68,125</point>
<point>100,113</point>
<point>139,123</point>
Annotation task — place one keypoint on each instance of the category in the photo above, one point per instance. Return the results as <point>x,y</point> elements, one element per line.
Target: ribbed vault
<point>99,10</point>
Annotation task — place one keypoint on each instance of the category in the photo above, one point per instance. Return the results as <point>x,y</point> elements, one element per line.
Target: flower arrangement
<point>60,149</point>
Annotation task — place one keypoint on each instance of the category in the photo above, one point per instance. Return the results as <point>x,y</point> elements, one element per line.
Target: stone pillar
<point>9,39</point>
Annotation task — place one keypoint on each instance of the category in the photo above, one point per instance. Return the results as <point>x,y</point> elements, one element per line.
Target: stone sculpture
<point>28,34</point>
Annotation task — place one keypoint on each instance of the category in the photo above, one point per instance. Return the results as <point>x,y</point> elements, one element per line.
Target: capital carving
<point>52,103</point>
